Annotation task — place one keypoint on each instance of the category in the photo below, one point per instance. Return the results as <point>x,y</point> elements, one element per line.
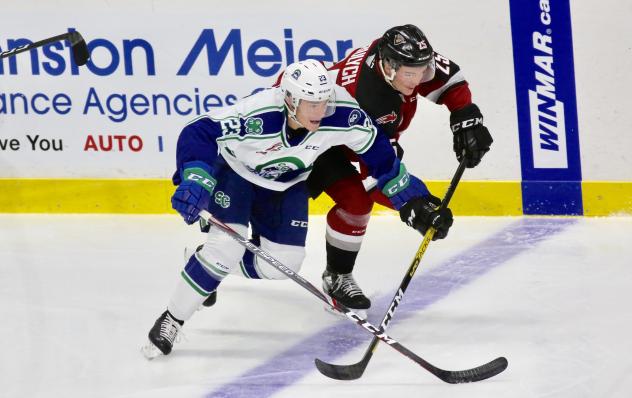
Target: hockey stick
<point>454,377</point>
<point>77,44</point>
<point>355,371</point>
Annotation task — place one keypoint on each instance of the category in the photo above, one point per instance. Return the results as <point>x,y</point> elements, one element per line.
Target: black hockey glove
<point>422,213</point>
<point>471,138</point>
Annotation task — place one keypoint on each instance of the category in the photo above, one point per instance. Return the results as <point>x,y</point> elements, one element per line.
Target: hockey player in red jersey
<point>386,77</point>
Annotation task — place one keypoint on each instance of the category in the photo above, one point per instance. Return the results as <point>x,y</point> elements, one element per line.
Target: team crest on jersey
<point>272,170</point>
<point>254,125</point>
<point>296,74</point>
<point>388,118</point>
<point>354,116</point>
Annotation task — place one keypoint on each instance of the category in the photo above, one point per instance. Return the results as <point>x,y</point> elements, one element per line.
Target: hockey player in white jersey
<point>247,165</point>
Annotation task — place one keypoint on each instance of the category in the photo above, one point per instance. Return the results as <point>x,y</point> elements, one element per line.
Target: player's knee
<point>221,253</point>
<point>289,255</point>
<point>351,196</point>
<point>358,220</point>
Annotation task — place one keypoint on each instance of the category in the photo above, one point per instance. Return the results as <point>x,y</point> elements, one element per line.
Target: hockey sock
<point>344,236</point>
<point>191,290</point>
<point>340,261</point>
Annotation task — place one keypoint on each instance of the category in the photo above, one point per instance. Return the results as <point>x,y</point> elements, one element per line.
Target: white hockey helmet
<point>307,80</point>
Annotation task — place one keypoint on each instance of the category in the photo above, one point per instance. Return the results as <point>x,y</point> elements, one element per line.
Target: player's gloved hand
<point>471,138</point>
<point>422,213</point>
<point>399,186</point>
<point>194,192</point>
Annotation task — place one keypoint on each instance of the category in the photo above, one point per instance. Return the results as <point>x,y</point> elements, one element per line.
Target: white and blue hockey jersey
<point>251,137</point>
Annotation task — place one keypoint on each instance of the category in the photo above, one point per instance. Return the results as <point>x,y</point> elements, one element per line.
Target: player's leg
<point>207,267</point>
<point>279,222</point>
<point>346,224</point>
<point>272,212</point>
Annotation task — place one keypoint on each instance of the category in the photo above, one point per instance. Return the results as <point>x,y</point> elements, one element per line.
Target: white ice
<point>78,295</point>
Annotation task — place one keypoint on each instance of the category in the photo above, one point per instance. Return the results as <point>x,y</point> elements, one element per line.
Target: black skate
<point>211,299</point>
<point>342,288</point>
<point>162,336</point>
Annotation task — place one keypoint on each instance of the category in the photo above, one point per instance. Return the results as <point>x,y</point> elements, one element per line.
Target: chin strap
<point>291,112</point>
<point>388,78</point>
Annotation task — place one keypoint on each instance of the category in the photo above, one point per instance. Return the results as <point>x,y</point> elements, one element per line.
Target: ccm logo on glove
<point>465,124</point>
<point>206,181</point>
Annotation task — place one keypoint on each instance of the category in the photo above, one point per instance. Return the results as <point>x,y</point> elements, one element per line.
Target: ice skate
<point>162,336</point>
<point>342,288</point>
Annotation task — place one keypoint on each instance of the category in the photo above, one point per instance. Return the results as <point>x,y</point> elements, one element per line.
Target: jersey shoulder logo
<point>354,116</point>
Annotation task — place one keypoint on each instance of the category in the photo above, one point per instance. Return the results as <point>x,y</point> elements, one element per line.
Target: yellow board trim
<point>472,198</point>
<point>152,196</point>
<point>607,198</point>
<point>146,196</point>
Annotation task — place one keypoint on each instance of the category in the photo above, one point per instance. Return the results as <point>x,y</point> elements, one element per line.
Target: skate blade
<point>150,351</point>
<point>331,310</point>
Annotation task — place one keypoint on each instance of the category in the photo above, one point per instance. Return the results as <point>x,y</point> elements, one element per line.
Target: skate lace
<point>170,329</point>
<point>347,284</point>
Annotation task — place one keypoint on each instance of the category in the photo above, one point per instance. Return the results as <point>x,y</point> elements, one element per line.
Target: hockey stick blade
<point>355,371</point>
<point>78,46</point>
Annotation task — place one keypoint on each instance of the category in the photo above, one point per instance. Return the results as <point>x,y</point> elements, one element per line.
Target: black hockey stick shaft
<point>447,376</point>
<point>78,45</point>
<point>355,371</point>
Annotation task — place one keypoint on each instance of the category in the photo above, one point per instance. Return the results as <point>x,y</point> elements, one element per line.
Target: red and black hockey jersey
<point>361,76</point>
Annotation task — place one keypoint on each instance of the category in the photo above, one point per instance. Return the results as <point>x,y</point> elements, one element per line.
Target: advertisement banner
<point>547,109</point>
<point>119,116</point>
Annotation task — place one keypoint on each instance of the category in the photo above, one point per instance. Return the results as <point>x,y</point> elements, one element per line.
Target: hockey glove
<point>399,186</point>
<point>194,192</point>
<point>471,138</point>
<point>422,213</point>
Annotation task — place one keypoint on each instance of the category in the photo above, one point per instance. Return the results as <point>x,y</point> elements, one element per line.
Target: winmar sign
<point>547,106</point>
<point>548,127</point>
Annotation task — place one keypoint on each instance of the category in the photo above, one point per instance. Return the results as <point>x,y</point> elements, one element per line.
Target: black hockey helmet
<point>405,45</point>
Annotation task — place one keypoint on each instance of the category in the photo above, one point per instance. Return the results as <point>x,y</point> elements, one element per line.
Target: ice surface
<point>78,295</point>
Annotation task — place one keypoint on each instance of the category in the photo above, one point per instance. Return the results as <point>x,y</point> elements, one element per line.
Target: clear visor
<point>330,104</point>
<point>429,73</point>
